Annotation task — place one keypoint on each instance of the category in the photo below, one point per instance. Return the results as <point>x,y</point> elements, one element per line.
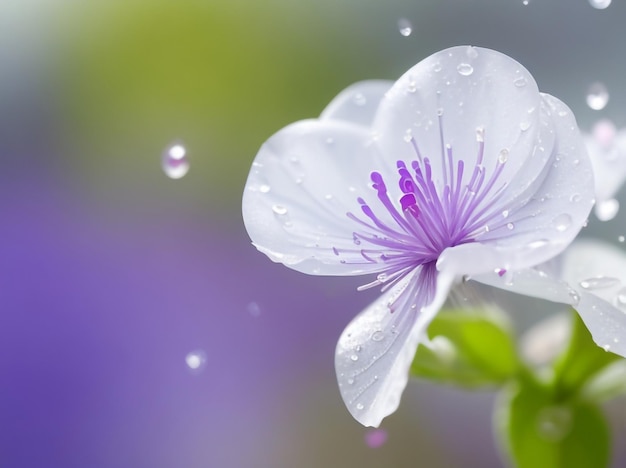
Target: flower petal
<point>553,208</point>
<point>609,161</point>
<point>445,98</point>
<point>606,323</point>
<point>375,351</point>
<point>303,181</point>
<point>357,103</point>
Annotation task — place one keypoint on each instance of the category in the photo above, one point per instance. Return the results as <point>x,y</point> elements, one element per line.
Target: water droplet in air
<point>520,81</point>
<point>253,309</point>
<point>174,162</point>
<point>621,239</point>
<point>375,438</point>
<point>525,2</point>
<point>562,222</point>
<point>597,96</point>
<point>405,27</point>
<point>599,282</point>
<point>465,69</point>
<point>600,4</point>
<point>503,156</point>
<point>378,335</point>
<point>195,360</point>
<point>554,423</point>
<point>279,210</point>
<point>359,99</point>
<point>607,209</point>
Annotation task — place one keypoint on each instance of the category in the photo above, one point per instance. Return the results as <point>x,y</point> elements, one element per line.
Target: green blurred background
<point>91,93</point>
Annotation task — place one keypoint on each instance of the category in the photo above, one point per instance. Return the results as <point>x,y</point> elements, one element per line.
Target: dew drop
<point>606,347</point>
<point>253,309</point>
<point>437,67</point>
<point>375,438</point>
<point>510,226</point>
<point>524,126</point>
<point>354,357</point>
<point>525,2</point>
<point>505,213</point>
<point>520,81</point>
<point>562,222</point>
<point>465,69</point>
<point>620,299</point>
<point>359,406</point>
<point>600,4</point>
<point>412,87</point>
<point>503,156</point>
<point>264,188</point>
<point>575,198</point>
<point>574,296</point>
<point>382,277</point>
<point>599,282</point>
<point>471,52</point>
<point>359,99</point>
<point>405,27</point>
<point>196,360</point>
<point>378,335</point>
<point>621,239</point>
<point>279,210</point>
<point>175,162</point>
<point>350,381</point>
<point>607,209</point>
<point>597,96</point>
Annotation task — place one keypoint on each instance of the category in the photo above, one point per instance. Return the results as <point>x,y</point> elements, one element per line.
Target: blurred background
<point>138,326</point>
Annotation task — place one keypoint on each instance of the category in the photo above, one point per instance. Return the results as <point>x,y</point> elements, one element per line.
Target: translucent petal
<point>606,322</point>
<point>375,351</point>
<point>609,163</point>
<point>302,183</point>
<point>446,97</point>
<point>357,103</point>
<point>555,206</point>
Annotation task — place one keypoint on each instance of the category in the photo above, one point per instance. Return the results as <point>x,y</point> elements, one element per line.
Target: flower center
<point>430,215</point>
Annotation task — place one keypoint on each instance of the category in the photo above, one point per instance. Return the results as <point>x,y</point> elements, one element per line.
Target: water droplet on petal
<point>264,188</point>
<point>600,4</point>
<point>505,213</point>
<point>405,27</point>
<point>375,438</point>
<point>554,423</point>
<point>510,226</point>
<point>378,335</point>
<point>359,99</point>
<point>175,162</point>
<point>607,209</point>
<point>520,81</point>
<point>412,87</point>
<point>620,299</point>
<point>465,69</point>
<point>606,347</point>
<point>621,239</point>
<point>359,406</point>
<point>354,357</point>
<point>279,210</point>
<point>574,296</point>
<point>503,156</point>
<point>562,222</point>
<point>437,67</point>
<point>597,96</point>
<point>524,126</point>
<point>471,52</point>
<point>599,282</point>
<point>195,360</point>
<point>575,198</point>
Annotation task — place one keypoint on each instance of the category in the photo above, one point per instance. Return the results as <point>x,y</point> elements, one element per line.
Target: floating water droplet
<point>253,309</point>
<point>375,438</point>
<point>354,357</point>
<point>520,82</point>
<point>510,226</point>
<point>503,156</point>
<point>405,27</point>
<point>175,162</point>
<point>359,406</point>
<point>607,209</point>
<point>465,69</point>
<point>378,335</point>
<point>279,210</point>
<point>621,239</point>
<point>597,96</point>
<point>562,222</point>
<point>264,188</point>
<point>195,360</point>
<point>359,99</point>
<point>525,2</point>
<point>599,282</point>
<point>600,4</point>
<point>554,423</point>
<point>575,198</point>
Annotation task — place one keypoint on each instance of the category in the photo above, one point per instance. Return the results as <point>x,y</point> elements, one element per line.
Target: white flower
<point>461,167</point>
<point>591,277</point>
<point>607,151</point>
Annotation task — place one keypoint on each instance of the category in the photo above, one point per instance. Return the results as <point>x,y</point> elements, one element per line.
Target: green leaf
<point>469,349</point>
<point>580,362</point>
<point>538,431</point>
